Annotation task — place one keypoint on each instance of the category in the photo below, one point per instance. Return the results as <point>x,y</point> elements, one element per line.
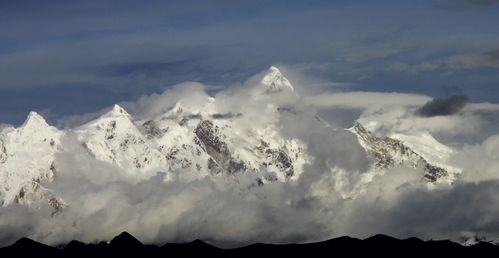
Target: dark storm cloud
<point>443,106</point>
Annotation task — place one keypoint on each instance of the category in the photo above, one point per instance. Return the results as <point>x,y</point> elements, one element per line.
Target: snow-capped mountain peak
<point>116,139</point>
<point>34,121</point>
<point>116,111</point>
<point>275,81</point>
<point>26,160</point>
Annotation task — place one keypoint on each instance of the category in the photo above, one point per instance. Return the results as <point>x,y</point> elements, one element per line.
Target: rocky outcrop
<point>151,130</point>
<point>209,138</point>
<point>3,152</point>
<point>277,157</point>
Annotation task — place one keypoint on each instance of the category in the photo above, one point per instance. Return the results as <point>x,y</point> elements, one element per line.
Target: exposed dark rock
<point>279,157</point>
<point>3,152</point>
<point>208,138</point>
<point>207,135</point>
<point>151,130</point>
<point>383,149</point>
<point>56,204</point>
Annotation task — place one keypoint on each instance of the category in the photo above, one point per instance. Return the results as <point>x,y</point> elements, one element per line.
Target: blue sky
<point>71,57</point>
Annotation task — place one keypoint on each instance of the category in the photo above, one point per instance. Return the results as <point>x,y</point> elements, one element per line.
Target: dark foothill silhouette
<point>125,245</point>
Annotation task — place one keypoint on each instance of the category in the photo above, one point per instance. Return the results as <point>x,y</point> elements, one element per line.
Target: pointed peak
<point>117,110</point>
<point>125,239</point>
<point>273,68</point>
<point>74,244</point>
<point>275,81</point>
<point>117,113</point>
<point>34,119</point>
<point>25,240</point>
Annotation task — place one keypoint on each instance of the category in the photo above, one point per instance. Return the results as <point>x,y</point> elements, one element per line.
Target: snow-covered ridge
<point>421,152</point>
<point>194,138</point>
<point>430,149</point>
<point>116,139</point>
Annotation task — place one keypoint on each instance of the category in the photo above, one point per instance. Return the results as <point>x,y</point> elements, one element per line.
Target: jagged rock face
<point>3,152</point>
<point>151,130</point>
<point>174,139</point>
<point>177,160</point>
<point>208,138</point>
<point>388,153</point>
<point>281,158</point>
<point>35,193</point>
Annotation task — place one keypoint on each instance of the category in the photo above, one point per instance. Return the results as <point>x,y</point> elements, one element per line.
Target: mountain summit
<point>117,110</point>
<point>275,81</point>
<point>35,121</point>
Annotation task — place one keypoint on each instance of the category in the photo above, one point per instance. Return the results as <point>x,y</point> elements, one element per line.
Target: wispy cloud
<point>449,64</point>
<point>362,56</point>
<point>463,5</point>
<point>138,48</point>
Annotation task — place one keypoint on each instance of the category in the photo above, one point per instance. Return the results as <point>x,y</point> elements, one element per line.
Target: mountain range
<point>198,138</point>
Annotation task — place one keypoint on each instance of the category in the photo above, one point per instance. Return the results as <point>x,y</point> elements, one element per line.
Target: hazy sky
<point>68,57</point>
